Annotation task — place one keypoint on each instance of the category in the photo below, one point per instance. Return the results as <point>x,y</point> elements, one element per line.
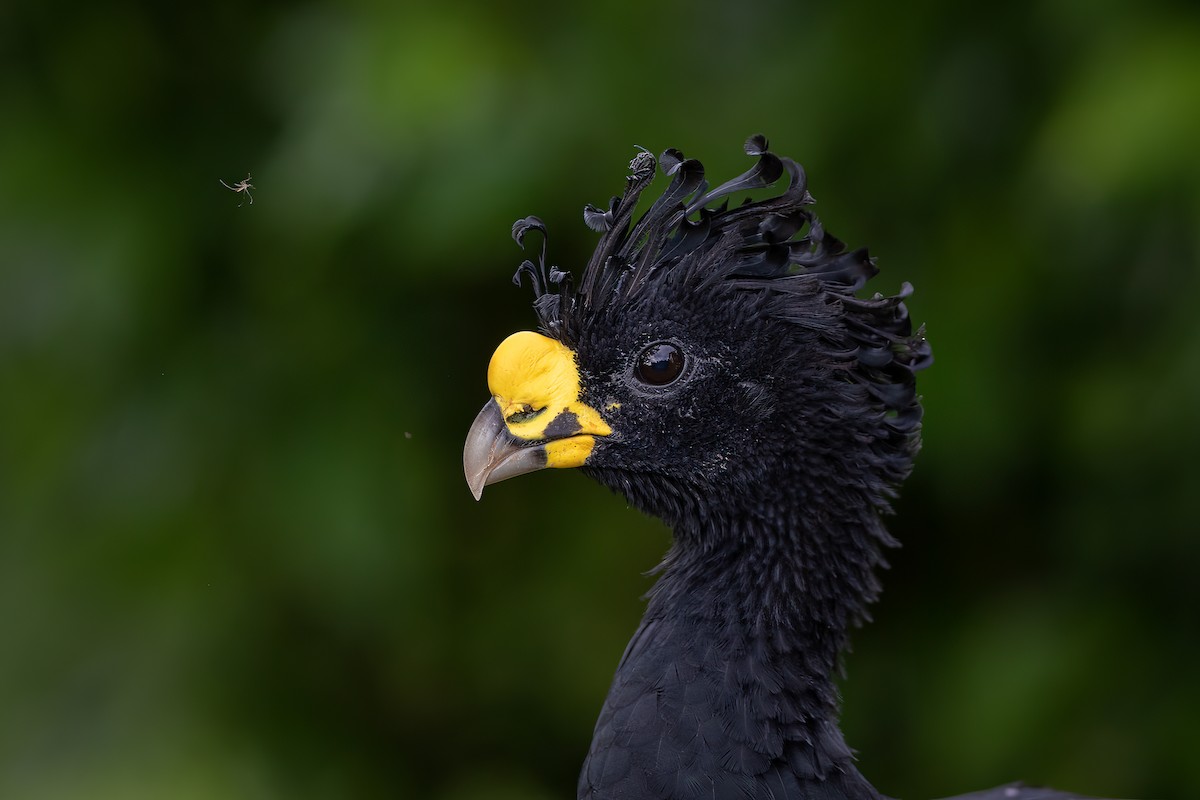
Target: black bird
<point>714,365</point>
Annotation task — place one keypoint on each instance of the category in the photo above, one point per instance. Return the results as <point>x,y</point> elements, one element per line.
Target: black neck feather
<point>730,680</point>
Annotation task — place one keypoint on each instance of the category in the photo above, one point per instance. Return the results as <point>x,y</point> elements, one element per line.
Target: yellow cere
<point>534,373</point>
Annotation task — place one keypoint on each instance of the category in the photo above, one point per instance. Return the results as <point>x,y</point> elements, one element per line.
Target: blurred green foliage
<point>237,555</point>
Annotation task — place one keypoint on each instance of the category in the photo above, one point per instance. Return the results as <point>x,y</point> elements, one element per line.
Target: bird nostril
<point>526,413</point>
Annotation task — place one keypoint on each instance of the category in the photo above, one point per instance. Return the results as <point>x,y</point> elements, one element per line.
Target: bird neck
<point>781,589</point>
<point>730,676</point>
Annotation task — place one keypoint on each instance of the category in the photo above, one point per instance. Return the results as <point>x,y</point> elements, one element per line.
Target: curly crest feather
<point>777,244</point>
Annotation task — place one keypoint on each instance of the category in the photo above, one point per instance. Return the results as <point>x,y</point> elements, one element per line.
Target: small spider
<point>241,186</point>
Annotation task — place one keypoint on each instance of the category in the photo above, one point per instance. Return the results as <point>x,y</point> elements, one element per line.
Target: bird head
<point>706,351</point>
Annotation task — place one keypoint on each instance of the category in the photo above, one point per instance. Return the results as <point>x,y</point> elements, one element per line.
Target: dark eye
<point>659,364</point>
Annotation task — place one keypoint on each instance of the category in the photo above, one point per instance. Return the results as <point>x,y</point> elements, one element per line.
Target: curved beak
<point>492,454</point>
<point>535,418</point>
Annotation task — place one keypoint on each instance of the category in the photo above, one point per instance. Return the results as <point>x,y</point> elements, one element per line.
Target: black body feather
<point>772,458</point>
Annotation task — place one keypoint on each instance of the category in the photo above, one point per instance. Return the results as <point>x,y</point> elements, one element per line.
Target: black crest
<point>775,243</point>
<point>760,237</point>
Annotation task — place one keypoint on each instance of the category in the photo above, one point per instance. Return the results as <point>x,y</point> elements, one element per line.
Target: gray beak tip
<point>491,454</point>
<point>476,487</point>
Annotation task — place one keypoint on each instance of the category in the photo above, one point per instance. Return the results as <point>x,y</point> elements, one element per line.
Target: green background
<point>237,555</point>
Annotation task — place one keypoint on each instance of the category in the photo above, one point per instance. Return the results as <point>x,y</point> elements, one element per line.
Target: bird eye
<point>659,364</point>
